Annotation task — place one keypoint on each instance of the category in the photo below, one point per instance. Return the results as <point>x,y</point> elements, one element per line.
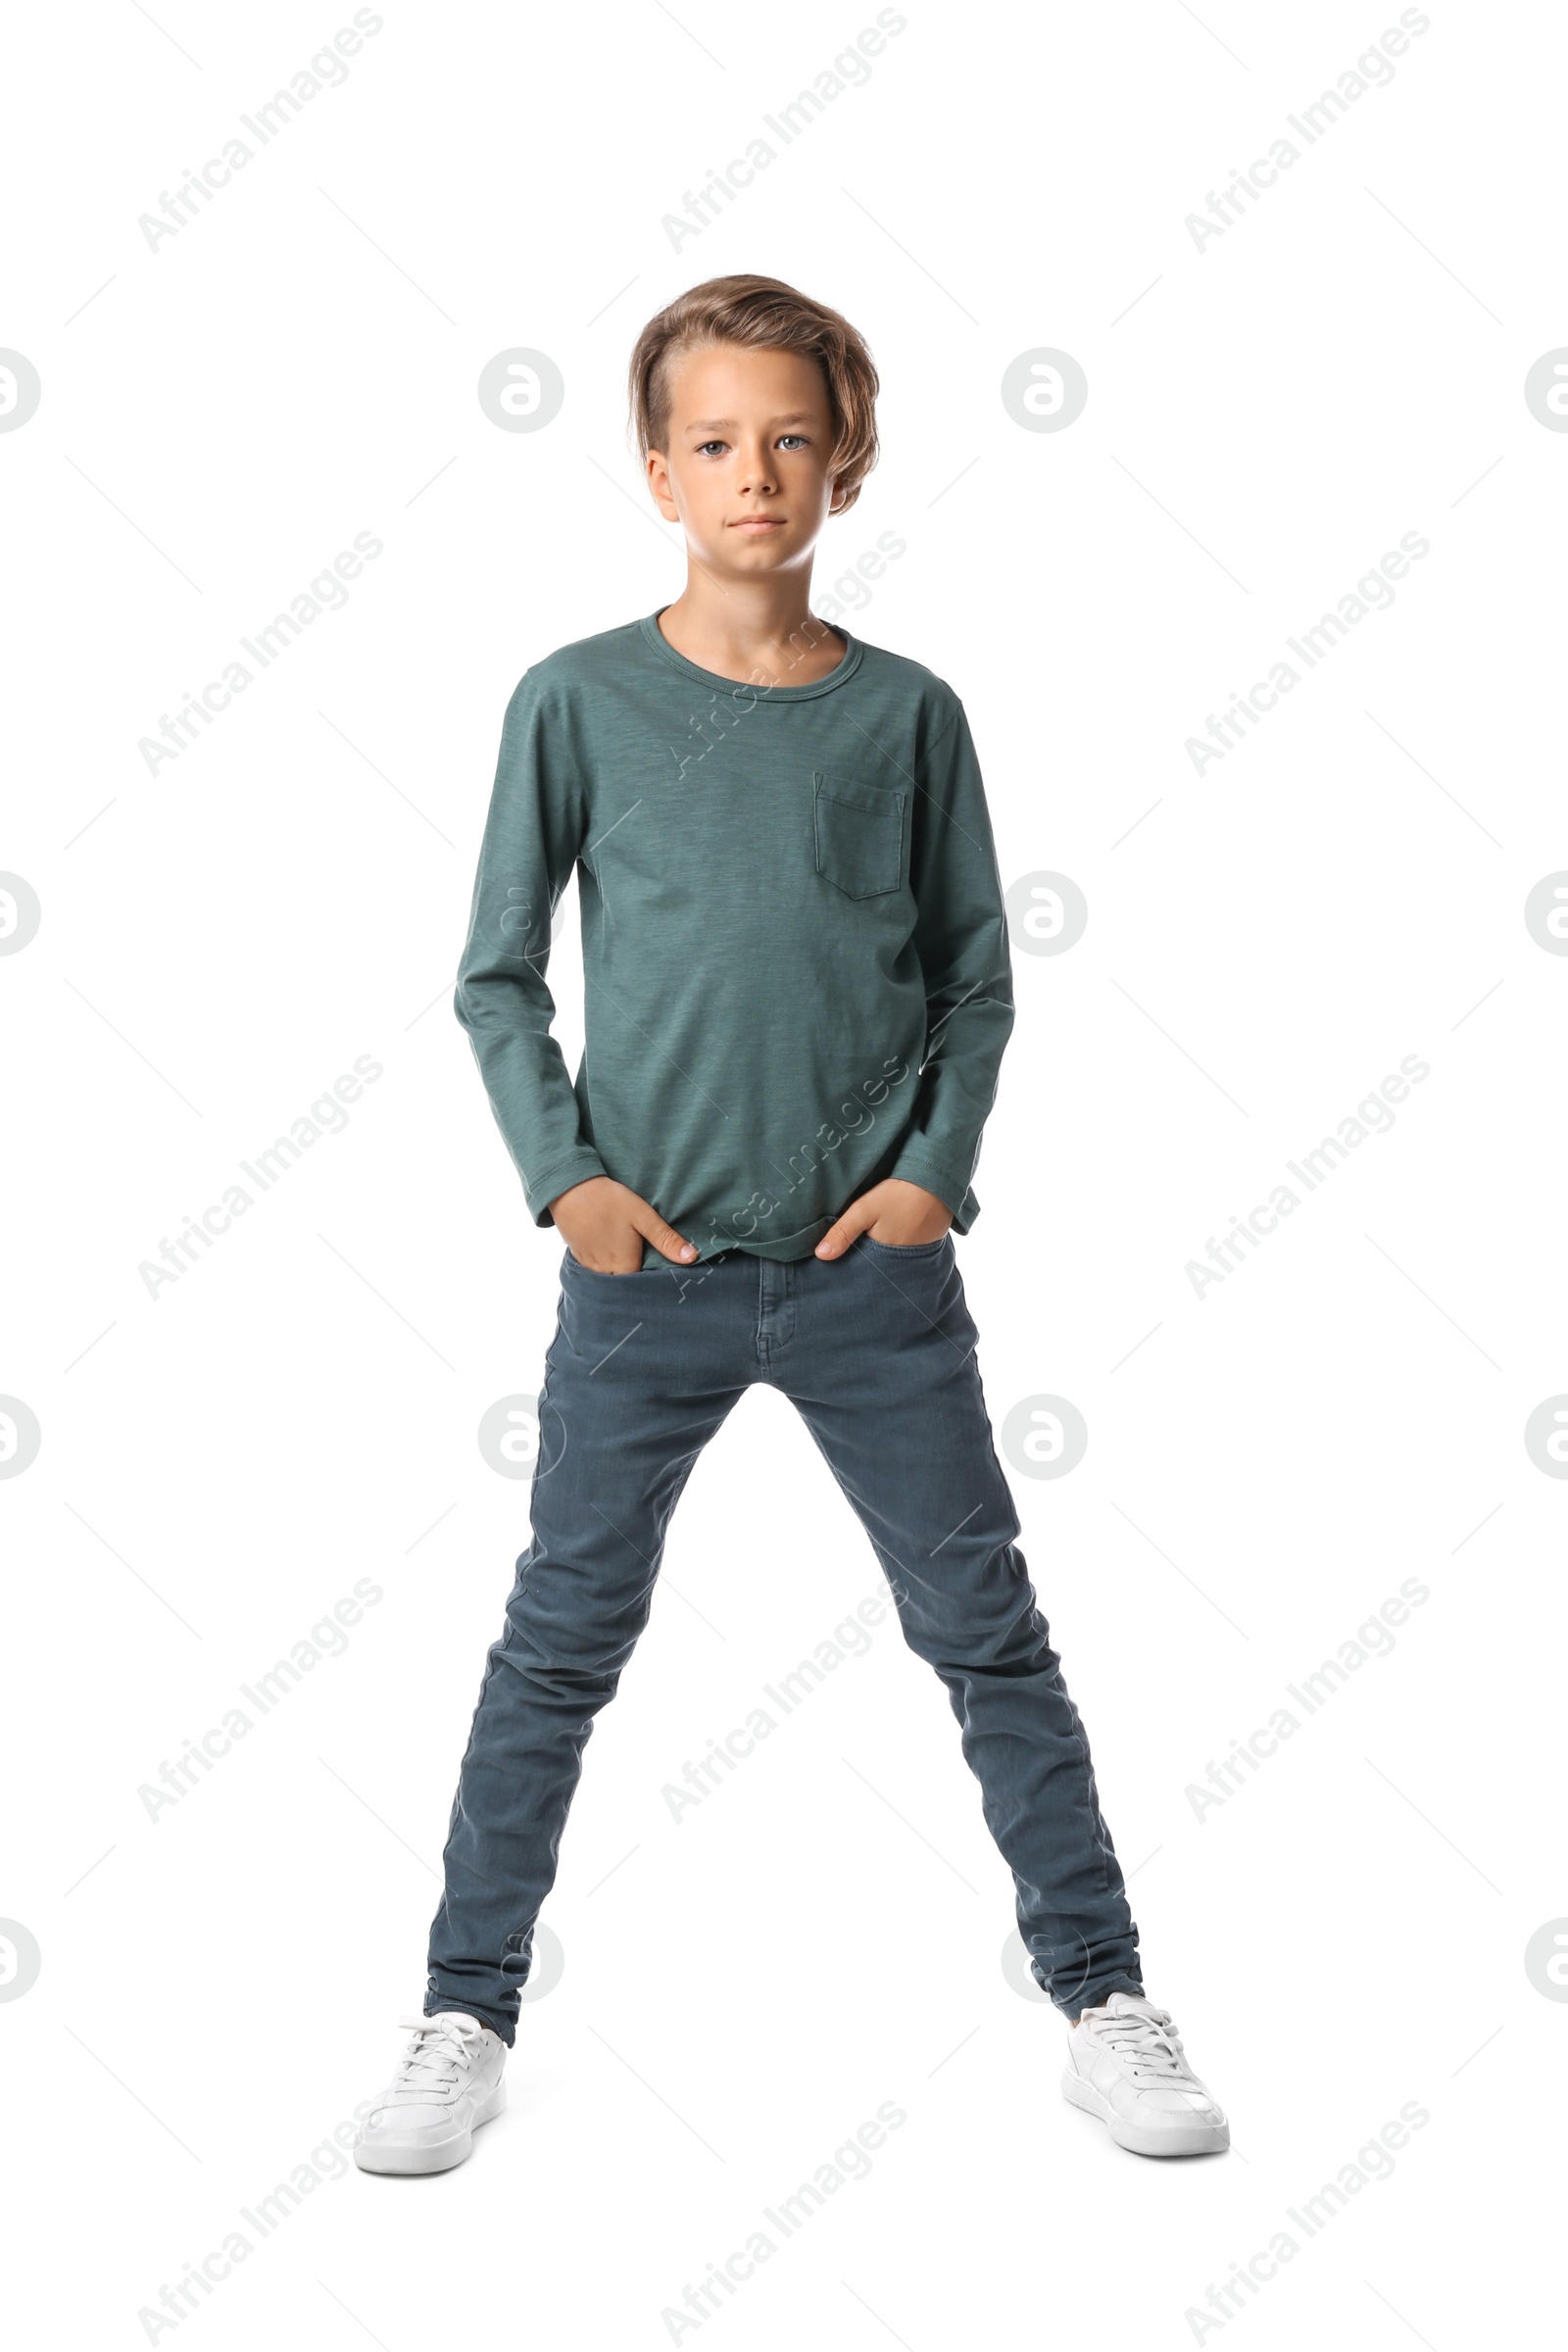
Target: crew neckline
<point>661,645</point>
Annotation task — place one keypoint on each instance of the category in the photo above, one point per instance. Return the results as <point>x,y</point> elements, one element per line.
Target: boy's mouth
<point>757,522</point>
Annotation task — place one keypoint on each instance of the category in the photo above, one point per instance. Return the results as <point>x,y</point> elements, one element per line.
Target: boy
<point>797,995</point>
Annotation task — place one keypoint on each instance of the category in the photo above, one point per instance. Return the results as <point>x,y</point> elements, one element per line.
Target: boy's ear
<point>658,486</point>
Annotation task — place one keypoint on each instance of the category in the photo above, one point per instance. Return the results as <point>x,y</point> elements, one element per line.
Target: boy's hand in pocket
<point>893,1211</point>
<point>605,1225</point>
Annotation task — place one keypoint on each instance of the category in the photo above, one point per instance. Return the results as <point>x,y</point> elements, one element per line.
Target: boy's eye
<point>797,439</point>
<point>704,447</point>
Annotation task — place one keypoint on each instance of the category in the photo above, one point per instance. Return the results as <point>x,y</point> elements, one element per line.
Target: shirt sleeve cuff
<point>917,1165</point>
<point>575,1168</point>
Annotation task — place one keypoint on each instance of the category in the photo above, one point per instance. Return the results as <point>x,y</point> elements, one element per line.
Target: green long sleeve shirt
<point>795,951</point>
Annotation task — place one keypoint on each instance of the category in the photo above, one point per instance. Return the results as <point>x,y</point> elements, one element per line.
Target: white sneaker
<point>1126,2065</point>
<point>447,2085</point>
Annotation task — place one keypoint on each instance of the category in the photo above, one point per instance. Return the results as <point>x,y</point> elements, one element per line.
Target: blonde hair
<point>762,313</point>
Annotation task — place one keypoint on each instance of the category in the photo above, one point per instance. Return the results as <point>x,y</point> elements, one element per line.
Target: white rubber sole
<point>1146,2140</point>
<point>407,2158</point>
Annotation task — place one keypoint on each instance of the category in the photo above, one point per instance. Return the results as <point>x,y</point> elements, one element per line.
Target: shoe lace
<point>434,2058</point>
<point>1147,2041</point>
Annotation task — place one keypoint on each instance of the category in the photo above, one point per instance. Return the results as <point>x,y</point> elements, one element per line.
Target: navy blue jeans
<point>876,1353</point>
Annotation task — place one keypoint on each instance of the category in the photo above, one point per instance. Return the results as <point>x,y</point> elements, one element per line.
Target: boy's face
<point>746,471</point>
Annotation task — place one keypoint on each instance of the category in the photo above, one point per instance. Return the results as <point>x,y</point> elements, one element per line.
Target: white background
<point>218,1465</point>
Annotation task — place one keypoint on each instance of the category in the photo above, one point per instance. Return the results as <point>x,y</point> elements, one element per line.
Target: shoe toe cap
<point>404,2126</point>
<point>1176,2111</point>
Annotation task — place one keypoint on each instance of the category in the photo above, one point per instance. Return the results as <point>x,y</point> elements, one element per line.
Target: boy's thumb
<point>837,1239</point>
<point>665,1239</point>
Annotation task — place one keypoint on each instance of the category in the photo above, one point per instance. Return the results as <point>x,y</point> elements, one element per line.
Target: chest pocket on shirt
<point>859,836</point>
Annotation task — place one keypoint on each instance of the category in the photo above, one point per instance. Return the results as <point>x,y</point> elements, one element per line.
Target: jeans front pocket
<point>907,1249</point>
<point>859,836</point>
<point>576,1266</point>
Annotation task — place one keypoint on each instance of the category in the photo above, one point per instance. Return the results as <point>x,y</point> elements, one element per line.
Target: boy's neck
<point>760,631</point>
